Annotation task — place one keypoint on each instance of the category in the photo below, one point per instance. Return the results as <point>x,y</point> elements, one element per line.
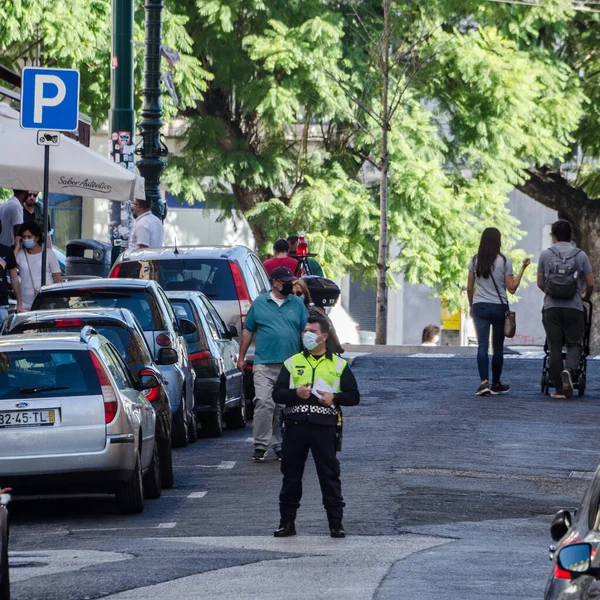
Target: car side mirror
<point>167,356</point>
<point>186,327</point>
<point>561,523</point>
<point>577,559</point>
<point>148,381</point>
<point>233,331</point>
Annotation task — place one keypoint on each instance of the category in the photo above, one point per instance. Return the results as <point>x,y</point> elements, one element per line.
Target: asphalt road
<point>448,496</point>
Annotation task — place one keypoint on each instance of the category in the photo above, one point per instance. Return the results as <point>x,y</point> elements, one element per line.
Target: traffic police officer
<point>313,385</point>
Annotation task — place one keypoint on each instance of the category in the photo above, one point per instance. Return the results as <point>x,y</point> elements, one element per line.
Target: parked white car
<point>71,419</point>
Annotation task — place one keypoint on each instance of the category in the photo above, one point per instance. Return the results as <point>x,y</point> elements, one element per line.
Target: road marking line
<point>224,464</point>
<point>428,355</point>
<point>251,439</point>
<point>227,464</point>
<point>197,495</point>
<point>159,526</point>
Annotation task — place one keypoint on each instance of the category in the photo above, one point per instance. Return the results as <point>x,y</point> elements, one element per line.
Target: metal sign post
<point>49,101</point>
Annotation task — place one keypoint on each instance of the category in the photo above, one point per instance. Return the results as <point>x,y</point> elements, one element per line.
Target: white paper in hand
<point>320,387</point>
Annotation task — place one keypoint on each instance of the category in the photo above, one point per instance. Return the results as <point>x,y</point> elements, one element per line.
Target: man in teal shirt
<point>278,320</point>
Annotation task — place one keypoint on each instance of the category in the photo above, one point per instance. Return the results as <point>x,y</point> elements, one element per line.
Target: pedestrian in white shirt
<point>28,253</point>
<point>147,229</point>
<point>11,215</point>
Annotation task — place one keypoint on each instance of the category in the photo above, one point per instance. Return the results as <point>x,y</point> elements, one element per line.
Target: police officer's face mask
<point>310,340</point>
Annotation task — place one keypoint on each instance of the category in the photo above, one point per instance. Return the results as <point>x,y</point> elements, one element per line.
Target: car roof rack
<point>86,332</point>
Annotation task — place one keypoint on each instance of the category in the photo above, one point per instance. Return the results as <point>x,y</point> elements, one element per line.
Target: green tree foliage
<point>76,34</point>
<point>289,125</point>
<point>281,100</point>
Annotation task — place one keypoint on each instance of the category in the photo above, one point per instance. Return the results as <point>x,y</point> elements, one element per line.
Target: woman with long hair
<point>490,276</point>
<point>300,289</point>
<point>28,252</point>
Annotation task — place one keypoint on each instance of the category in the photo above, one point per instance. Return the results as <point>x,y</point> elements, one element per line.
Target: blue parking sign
<point>50,99</point>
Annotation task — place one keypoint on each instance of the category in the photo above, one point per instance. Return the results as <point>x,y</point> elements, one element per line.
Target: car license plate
<point>27,418</point>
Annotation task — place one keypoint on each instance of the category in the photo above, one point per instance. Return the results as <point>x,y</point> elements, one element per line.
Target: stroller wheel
<point>581,385</point>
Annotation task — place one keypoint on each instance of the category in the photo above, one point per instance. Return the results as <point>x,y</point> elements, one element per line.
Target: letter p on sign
<point>50,99</point>
<point>41,100</point>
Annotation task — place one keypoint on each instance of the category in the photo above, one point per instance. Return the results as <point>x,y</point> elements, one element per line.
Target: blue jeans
<point>486,315</point>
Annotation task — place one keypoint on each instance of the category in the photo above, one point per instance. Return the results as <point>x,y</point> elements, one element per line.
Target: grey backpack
<point>562,280</point>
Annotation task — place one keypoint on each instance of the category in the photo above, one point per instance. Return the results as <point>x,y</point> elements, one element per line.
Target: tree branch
<point>553,190</point>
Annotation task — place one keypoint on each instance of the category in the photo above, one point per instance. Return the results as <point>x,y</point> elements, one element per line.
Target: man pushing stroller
<point>565,276</point>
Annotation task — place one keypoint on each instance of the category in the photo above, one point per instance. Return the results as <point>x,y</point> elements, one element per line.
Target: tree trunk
<point>247,199</point>
<point>551,189</point>
<point>382,256</point>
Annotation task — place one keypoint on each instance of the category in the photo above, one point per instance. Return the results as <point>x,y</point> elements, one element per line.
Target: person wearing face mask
<point>28,252</point>
<point>277,319</point>
<point>313,385</point>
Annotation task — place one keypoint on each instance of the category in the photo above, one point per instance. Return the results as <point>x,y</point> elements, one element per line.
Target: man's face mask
<point>286,288</point>
<point>28,244</point>
<point>310,340</point>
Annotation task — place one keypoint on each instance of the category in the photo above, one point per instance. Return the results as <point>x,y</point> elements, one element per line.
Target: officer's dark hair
<point>281,246</point>
<point>321,322</point>
<point>19,194</point>
<point>293,239</point>
<point>562,230</point>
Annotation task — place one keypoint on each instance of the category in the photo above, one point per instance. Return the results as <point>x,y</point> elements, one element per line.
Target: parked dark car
<point>219,393</point>
<point>164,334</point>
<point>230,277</point>
<point>122,329</point>
<point>583,526</point>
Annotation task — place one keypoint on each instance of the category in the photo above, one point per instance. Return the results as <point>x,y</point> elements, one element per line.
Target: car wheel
<point>236,417</point>
<point>130,495</point>
<point>166,466</point>
<point>180,432</point>
<point>193,428</point>
<point>152,479</point>
<point>212,423</point>
<point>4,577</point>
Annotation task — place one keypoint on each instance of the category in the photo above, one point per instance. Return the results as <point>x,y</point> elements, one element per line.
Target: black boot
<point>286,529</point>
<point>337,530</point>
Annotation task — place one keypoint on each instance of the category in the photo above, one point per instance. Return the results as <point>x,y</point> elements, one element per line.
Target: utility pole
<point>122,117</point>
<point>153,148</point>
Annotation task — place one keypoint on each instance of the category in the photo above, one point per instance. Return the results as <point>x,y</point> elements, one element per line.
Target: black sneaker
<point>259,455</point>
<point>279,454</point>
<point>336,530</point>
<point>286,529</point>
<point>483,389</point>
<point>499,388</point>
<point>567,383</point>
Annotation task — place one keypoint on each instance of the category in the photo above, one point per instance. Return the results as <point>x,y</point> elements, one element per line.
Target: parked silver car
<point>230,277</point>
<point>164,334</point>
<point>70,416</point>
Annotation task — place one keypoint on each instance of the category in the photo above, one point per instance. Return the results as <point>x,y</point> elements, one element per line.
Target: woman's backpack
<point>562,280</point>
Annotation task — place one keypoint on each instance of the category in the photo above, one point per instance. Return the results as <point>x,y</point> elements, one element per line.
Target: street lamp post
<point>152,149</point>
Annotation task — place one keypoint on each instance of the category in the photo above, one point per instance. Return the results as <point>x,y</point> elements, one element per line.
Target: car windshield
<point>210,276</point>
<point>46,374</point>
<point>139,302</point>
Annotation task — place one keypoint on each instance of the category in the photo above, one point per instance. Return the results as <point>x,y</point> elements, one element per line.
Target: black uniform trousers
<point>299,437</point>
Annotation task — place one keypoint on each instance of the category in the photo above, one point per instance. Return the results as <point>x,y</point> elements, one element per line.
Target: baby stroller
<point>579,379</point>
